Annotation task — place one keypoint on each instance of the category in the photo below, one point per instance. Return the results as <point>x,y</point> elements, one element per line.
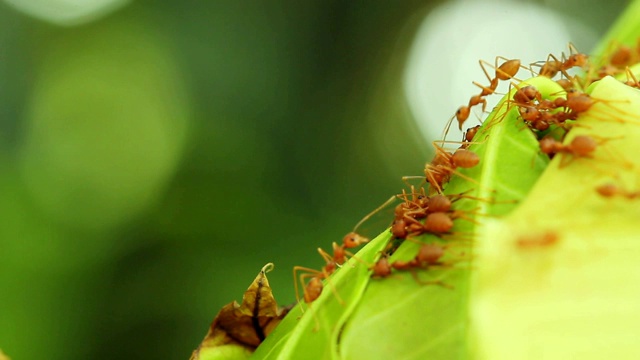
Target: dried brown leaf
<point>245,325</point>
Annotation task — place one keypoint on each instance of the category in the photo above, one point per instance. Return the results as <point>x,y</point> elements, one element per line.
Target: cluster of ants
<point>432,212</point>
<point>417,214</point>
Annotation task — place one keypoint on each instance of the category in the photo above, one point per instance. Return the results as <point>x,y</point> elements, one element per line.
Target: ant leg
<point>631,78</point>
<point>375,211</point>
<point>561,68</point>
<point>455,172</point>
<point>439,150</point>
<point>447,127</point>
<point>405,178</point>
<point>312,273</point>
<point>415,276</point>
<point>442,142</point>
<point>326,255</point>
<point>567,158</point>
<point>458,214</point>
<point>415,196</point>
<point>430,172</point>
<point>483,63</point>
<point>536,64</point>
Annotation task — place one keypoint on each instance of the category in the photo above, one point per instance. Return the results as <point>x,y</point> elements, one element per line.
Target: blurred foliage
<point>67,12</point>
<point>152,159</point>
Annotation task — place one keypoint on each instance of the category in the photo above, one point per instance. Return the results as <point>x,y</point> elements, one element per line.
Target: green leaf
<point>316,330</point>
<point>225,352</point>
<point>626,30</point>
<point>575,295</point>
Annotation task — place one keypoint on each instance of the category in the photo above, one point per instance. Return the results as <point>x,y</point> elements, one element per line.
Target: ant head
<point>471,133</point>
<point>578,60</point>
<point>529,113</point>
<point>352,240</point>
<point>423,201</point>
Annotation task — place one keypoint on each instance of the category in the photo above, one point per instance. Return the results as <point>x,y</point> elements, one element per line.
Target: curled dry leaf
<point>239,328</point>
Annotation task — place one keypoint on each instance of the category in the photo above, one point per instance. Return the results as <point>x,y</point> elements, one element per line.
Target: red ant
<point>468,136</point>
<point>464,158</point>
<point>580,146</point>
<point>537,241</point>
<point>314,287</point>
<point>419,201</point>
<point>350,241</point>
<point>437,223</point>
<point>507,70</point>
<point>575,103</point>
<point>444,164</point>
<point>566,84</point>
<point>536,111</point>
<point>526,95</point>
<point>610,190</point>
<point>428,255</point>
<point>619,59</point>
<point>409,210</point>
<point>435,209</point>
<point>533,108</point>
<point>623,56</point>
<point>414,209</point>
<point>552,66</point>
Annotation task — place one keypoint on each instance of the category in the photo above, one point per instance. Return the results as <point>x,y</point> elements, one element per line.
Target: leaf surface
<point>558,278</point>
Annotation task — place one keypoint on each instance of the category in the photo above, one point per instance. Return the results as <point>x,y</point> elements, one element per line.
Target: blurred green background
<point>155,155</point>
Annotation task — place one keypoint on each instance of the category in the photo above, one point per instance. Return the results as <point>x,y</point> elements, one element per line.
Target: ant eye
<point>350,241</point>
